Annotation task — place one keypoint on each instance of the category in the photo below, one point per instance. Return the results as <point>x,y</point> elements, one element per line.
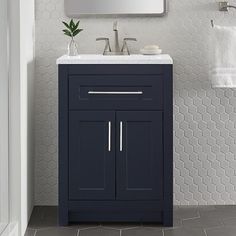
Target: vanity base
<point>115,211</point>
<point>121,216</point>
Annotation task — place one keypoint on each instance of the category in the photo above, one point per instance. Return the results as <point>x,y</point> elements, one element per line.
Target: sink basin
<point>115,59</point>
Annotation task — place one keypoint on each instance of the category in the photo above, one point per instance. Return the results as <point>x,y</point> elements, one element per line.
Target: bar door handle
<point>109,136</point>
<point>115,92</point>
<point>121,136</point>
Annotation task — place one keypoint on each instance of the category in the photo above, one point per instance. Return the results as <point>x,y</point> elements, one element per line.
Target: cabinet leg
<point>168,218</point>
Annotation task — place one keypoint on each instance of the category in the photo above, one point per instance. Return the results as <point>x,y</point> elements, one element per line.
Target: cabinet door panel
<point>91,163</point>
<point>139,156</point>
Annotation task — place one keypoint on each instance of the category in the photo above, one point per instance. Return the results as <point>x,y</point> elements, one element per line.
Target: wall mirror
<point>76,8</point>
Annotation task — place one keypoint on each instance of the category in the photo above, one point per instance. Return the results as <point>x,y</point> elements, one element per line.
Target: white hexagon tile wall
<point>204,118</point>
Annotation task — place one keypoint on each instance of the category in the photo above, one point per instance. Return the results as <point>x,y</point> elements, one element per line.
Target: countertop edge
<point>166,60</point>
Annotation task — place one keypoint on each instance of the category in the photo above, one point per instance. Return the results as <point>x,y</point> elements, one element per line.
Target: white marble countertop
<point>100,59</point>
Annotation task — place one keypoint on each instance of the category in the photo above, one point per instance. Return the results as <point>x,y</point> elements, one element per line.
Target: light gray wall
<point>204,118</point>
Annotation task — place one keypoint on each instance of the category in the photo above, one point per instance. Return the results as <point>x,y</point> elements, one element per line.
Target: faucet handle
<point>102,38</point>
<point>107,45</point>
<point>125,45</point>
<point>130,39</point>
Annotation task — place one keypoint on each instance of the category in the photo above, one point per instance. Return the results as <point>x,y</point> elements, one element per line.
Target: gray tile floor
<point>188,221</point>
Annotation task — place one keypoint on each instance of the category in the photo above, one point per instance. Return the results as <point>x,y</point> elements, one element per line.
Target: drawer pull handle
<point>121,136</point>
<point>109,136</point>
<point>115,92</point>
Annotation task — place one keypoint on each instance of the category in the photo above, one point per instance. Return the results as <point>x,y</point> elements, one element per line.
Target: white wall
<point>204,118</point>
<point>27,22</point>
<point>21,24</point>
<point>4,203</point>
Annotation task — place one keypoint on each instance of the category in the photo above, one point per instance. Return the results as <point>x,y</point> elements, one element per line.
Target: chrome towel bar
<point>223,6</point>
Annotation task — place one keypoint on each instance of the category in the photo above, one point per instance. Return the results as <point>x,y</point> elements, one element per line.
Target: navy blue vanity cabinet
<point>115,143</point>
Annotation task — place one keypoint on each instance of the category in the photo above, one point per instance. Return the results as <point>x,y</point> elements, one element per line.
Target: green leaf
<point>77,25</point>
<point>67,32</point>
<point>77,32</point>
<point>66,25</point>
<point>68,35</point>
<point>72,24</point>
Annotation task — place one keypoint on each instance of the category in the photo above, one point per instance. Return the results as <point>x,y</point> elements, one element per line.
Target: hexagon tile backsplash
<point>204,118</point>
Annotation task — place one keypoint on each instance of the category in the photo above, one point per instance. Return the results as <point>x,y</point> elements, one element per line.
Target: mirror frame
<point>68,14</point>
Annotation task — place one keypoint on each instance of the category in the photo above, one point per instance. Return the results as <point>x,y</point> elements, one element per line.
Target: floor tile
<point>226,207</point>
<point>42,223</point>
<point>153,225</point>
<point>142,231</point>
<point>186,212</point>
<point>202,222</point>
<point>43,217</point>
<point>177,222</point>
<point>30,232</point>
<point>220,212</point>
<point>99,231</point>
<point>120,225</point>
<point>38,212</point>
<point>85,225</point>
<point>175,207</point>
<point>221,231</point>
<point>188,221</point>
<point>58,231</point>
<point>203,208</point>
<point>50,212</point>
<point>229,221</point>
<point>184,232</point>
<point>36,219</point>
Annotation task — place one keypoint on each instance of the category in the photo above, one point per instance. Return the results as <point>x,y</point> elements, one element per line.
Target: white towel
<point>223,57</point>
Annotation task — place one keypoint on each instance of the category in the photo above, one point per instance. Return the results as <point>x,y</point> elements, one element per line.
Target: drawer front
<point>116,92</point>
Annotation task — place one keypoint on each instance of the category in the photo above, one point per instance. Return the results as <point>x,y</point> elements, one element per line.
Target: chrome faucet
<point>117,51</point>
<point>115,29</point>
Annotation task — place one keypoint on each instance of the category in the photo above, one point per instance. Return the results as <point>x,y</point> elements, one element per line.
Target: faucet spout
<point>115,26</point>
<point>116,43</point>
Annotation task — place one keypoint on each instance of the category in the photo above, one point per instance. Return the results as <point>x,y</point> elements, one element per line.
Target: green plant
<point>72,28</point>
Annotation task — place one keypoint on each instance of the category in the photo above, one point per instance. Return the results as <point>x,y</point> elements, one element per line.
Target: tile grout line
<point>128,228</point>
<point>92,227</point>
<point>192,218</point>
<point>214,227</point>
<point>35,232</point>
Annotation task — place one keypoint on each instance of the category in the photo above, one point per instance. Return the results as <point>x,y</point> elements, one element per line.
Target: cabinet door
<point>139,155</point>
<point>91,155</point>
